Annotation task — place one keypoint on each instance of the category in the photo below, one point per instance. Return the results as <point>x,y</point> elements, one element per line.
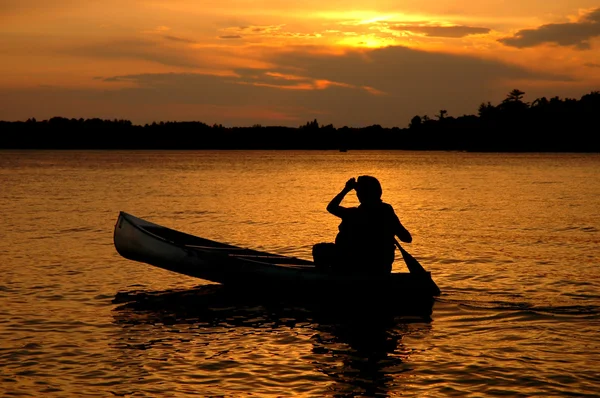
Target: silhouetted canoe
<point>140,240</point>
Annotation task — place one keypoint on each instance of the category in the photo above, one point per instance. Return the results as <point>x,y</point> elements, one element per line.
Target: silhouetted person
<point>365,242</point>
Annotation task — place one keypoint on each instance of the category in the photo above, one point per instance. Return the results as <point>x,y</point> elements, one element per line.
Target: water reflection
<point>353,349</point>
<point>368,356</point>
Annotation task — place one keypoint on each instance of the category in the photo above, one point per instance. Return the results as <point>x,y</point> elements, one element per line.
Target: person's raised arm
<point>403,234</point>
<point>400,231</point>
<point>334,206</point>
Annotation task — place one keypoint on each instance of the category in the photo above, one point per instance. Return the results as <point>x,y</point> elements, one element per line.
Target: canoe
<point>233,266</point>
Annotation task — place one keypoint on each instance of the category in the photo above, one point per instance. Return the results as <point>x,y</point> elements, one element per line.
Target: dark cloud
<point>230,37</point>
<point>179,39</point>
<point>414,82</point>
<point>592,65</point>
<point>255,29</point>
<point>411,82</point>
<point>593,16</point>
<point>113,79</point>
<point>400,67</point>
<point>443,31</point>
<point>147,50</point>
<point>575,34</point>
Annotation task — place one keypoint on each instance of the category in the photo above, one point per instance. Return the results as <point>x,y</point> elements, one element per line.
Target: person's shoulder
<point>387,206</point>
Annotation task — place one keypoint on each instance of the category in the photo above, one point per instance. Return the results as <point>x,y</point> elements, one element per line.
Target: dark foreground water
<point>512,240</point>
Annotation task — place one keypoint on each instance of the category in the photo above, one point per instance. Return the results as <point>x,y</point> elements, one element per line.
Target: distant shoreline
<point>553,125</point>
<point>583,152</point>
<point>187,136</point>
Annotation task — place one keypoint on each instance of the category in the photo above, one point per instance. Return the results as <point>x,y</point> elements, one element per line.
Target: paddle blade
<point>417,269</point>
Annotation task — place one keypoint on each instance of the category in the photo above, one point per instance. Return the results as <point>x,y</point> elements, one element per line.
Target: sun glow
<point>367,41</point>
<point>368,17</point>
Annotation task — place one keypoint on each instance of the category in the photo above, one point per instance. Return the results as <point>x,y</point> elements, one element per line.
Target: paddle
<point>417,269</point>
<point>413,265</point>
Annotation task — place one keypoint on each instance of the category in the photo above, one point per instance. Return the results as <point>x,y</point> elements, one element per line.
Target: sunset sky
<point>245,62</point>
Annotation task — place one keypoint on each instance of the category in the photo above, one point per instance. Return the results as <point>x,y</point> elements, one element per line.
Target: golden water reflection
<point>511,239</point>
<point>234,341</point>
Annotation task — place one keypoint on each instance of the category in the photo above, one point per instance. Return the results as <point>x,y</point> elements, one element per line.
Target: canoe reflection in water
<point>356,347</point>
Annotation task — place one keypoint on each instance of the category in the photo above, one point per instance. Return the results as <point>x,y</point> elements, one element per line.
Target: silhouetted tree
<point>415,122</point>
<point>311,125</point>
<point>486,110</point>
<point>515,95</point>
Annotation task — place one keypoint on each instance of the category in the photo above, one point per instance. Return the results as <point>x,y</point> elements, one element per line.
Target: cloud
<point>386,86</point>
<point>575,34</point>
<point>145,49</point>
<point>443,31</point>
<point>179,39</point>
<point>592,65</point>
<point>414,82</point>
<point>290,82</point>
<point>267,31</point>
<point>393,66</point>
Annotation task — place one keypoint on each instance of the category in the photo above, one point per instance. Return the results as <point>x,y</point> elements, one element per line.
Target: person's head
<point>368,189</point>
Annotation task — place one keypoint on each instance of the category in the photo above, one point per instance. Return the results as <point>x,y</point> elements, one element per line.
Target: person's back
<point>365,242</point>
<point>366,238</point>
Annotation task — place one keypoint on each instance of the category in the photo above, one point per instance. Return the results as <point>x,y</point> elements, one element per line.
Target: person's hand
<point>350,184</point>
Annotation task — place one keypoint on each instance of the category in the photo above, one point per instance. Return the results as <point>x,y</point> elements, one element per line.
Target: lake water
<point>511,239</point>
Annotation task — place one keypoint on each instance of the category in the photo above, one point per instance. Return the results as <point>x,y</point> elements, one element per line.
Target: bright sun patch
<point>366,41</point>
<point>369,17</point>
<point>372,30</point>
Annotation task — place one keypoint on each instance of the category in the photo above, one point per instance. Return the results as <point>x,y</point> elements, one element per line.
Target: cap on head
<point>368,189</point>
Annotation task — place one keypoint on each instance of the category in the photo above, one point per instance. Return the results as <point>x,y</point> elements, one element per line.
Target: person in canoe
<point>366,238</point>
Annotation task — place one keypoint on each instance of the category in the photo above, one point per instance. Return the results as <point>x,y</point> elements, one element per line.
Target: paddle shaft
<point>411,263</point>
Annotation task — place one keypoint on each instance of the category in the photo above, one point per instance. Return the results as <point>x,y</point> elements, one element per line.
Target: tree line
<point>513,125</point>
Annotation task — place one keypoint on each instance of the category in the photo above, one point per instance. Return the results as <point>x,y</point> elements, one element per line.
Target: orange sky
<point>242,62</point>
